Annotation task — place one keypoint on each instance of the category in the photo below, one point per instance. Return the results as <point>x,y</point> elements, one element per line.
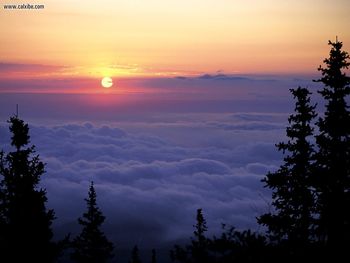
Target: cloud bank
<point>151,177</point>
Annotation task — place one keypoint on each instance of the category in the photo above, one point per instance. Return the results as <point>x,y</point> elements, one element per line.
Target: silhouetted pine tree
<point>154,256</point>
<point>197,252</point>
<point>231,246</point>
<point>200,242</point>
<point>3,202</point>
<point>333,158</point>
<point>135,258</point>
<point>180,254</point>
<point>25,223</point>
<point>239,246</point>
<point>92,246</point>
<point>293,197</point>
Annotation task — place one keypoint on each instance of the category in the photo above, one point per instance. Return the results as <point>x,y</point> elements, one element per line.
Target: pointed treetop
<point>333,72</point>
<point>92,192</point>
<point>20,132</point>
<point>91,245</point>
<point>93,215</point>
<point>200,227</point>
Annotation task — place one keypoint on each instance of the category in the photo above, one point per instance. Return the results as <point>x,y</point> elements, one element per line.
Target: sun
<point>107,82</point>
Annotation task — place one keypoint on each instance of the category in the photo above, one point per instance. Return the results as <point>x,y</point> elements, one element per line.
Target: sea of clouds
<point>151,177</point>
<point>157,158</point>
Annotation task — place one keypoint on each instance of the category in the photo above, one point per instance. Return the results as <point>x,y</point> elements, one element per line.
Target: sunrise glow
<point>170,38</point>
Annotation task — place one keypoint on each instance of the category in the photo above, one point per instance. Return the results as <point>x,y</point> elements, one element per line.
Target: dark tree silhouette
<point>92,246</point>
<point>239,246</point>
<point>200,242</point>
<point>25,223</point>
<point>231,246</point>
<point>333,158</point>
<point>197,252</point>
<point>135,258</point>
<point>3,209</point>
<point>154,256</point>
<point>293,194</point>
<point>180,254</point>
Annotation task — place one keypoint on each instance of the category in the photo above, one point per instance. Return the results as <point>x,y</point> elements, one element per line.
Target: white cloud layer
<point>151,177</point>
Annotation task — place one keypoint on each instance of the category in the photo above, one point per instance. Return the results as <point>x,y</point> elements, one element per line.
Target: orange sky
<point>166,37</point>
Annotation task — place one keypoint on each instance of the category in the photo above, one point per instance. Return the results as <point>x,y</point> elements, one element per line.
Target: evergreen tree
<point>135,258</point>
<point>293,194</point>
<point>154,256</point>
<point>180,254</point>
<point>231,246</point>
<point>197,252</point>
<point>239,246</point>
<point>92,246</point>
<point>25,223</point>
<point>3,209</point>
<point>200,242</point>
<point>332,178</point>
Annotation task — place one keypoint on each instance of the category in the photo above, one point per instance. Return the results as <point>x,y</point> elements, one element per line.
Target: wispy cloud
<point>25,70</point>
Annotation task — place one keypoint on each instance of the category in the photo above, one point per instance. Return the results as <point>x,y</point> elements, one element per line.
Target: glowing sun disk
<point>107,82</point>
